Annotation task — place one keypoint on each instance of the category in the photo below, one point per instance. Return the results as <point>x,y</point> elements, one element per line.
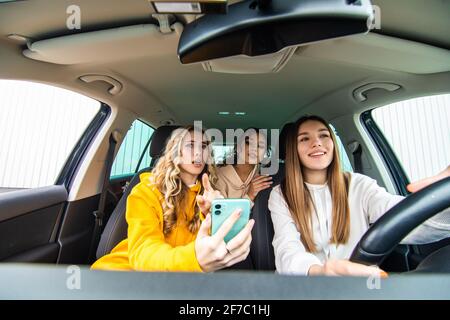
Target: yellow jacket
<point>146,248</point>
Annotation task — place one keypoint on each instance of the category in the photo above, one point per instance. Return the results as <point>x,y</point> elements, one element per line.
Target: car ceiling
<point>158,88</point>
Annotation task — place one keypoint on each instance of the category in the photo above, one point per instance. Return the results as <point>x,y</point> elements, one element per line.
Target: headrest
<point>159,140</point>
<point>282,139</point>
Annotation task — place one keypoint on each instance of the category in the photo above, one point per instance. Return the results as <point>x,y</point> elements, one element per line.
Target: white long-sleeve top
<point>367,202</point>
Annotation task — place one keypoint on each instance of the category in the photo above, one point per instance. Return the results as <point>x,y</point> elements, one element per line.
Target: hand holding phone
<point>211,250</point>
<point>221,209</point>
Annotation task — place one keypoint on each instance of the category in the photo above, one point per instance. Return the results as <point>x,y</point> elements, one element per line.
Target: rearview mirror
<point>259,27</point>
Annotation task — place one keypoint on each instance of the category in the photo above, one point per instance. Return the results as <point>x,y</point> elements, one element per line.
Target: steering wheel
<point>387,232</point>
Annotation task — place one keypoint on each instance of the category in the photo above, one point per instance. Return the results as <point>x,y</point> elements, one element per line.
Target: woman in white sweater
<point>320,213</point>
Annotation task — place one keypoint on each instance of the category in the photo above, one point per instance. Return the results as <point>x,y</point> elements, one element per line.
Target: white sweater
<point>367,202</point>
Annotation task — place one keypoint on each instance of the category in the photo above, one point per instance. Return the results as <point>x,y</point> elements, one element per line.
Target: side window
<point>418,131</point>
<point>345,161</point>
<point>40,125</point>
<point>133,148</point>
<point>221,152</point>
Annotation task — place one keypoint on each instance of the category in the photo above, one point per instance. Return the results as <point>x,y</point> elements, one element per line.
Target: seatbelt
<point>356,149</point>
<point>99,214</point>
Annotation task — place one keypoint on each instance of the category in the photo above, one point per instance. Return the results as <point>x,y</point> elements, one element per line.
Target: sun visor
<point>106,45</point>
<point>381,52</point>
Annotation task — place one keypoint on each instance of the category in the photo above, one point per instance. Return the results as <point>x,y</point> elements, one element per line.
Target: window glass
<point>132,148</point>
<point>41,125</point>
<point>418,131</point>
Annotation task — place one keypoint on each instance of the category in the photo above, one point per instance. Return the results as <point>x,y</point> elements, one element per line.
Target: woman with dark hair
<point>320,213</point>
<point>239,178</point>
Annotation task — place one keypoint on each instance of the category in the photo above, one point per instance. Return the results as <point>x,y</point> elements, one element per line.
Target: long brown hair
<point>166,178</point>
<point>298,197</point>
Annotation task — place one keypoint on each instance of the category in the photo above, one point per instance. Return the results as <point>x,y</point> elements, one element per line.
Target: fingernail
<point>383,274</point>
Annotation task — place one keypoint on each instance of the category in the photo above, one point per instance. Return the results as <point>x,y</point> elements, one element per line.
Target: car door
<point>413,138</point>
<point>45,132</point>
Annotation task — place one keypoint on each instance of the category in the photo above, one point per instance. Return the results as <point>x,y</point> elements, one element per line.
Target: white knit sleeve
<point>291,256</point>
<point>377,201</point>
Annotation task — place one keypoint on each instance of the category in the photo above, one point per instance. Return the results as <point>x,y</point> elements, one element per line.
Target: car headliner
<point>317,79</point>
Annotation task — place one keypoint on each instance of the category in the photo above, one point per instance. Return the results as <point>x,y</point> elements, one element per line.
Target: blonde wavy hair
<point>166,178</point>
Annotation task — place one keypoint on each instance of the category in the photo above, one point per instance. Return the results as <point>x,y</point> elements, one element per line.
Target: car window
<point>41,124</point>
<point>133,148</point>
<point>221,152</point>
<point>345,161</point>
<point>418,131</point>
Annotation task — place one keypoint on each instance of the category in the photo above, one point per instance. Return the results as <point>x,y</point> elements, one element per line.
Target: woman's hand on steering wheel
<point>418,185</point>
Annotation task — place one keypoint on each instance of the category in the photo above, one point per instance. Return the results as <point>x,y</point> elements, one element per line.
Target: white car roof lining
<point>157,88</point>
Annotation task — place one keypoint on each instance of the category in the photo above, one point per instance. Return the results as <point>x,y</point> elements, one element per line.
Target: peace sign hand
<point>209,194</point>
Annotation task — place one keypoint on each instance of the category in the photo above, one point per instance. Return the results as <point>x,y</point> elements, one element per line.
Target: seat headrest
<point>282,140</point>
<point>159,140</point>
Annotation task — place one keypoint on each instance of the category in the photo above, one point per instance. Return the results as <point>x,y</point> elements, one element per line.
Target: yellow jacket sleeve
<point>147,248</point>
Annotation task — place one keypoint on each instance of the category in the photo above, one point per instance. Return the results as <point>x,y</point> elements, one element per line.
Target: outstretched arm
<point>418,185</point>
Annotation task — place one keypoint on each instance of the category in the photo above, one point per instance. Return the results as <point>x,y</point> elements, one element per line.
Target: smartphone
<point>221,209</point>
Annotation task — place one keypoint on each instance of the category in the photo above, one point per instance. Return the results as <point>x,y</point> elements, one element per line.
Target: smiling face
<point>314,146</point>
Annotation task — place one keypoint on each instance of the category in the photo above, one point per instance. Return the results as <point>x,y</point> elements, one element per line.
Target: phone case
<point>221,209</point>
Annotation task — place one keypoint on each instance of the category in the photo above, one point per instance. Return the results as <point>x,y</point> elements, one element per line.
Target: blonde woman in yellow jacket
<point>168,215</point>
